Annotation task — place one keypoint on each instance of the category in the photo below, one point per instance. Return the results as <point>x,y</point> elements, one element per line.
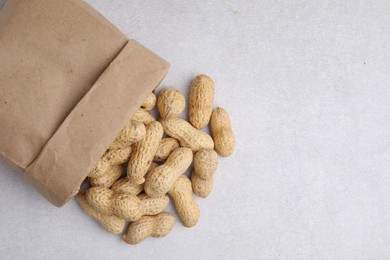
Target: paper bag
<point>69,82</point>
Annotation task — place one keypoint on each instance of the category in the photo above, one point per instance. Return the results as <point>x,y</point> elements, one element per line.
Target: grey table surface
<point>307,84</point>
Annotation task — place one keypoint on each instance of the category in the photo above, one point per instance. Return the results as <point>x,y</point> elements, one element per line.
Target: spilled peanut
<point>161,179</point>
<point>186,134</point>
<point>202,178</point>
<point>143,116</point>
<point>150,102</point>
<point>124,205</point>
<point>165,148</point>
<point>111,223</point>
<point>143,152</point>
<point>113,173</point>
<point>222,133</point>
<point>185,204</point>
<point>125,185</point>
<point>170,102</point>
<point>149,226</point>
<point>201,100</point>
<point>110,158</point>
<point>132,133</point>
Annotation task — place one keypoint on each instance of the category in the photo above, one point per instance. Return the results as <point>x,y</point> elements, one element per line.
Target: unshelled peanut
<point>152,204</point>
<point>124,205</point>
<point>132,133</point>
<point>118,156</point>
<point>113,173</point>
<point>150,102</point>
<point>160,180</point>
<point>165,148</point>
<point>143,152</point>
<point>111,223</point>
<point>143,116</point>
<point>201,100</point>
<point>222,133</point>
<point>202,178</point>
<point>185,204</point>
<point>110,158</point>
<point>170,102</point>
<point>186,134</point>
<point>149,226</point>
<point>125,185</point>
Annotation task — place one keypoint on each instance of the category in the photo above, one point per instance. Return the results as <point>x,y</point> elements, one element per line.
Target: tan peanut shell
<point>151,168</point>
<point>222,133</point>
<point>161,179</point>
<point>110,158</point>
<point>118,156</point>
<point>201,99</point>
<point>153,205</point>
<point>186,134</point>
<point>185,204</point>
<point>150,102</point>
<point>202,187</point>
<point>143,116</point>
<point>125,185</point>
<point>143,152</point>
<point>124,205</point>
<point>100,198</point>
<point>111,223</point>
<point>165,148</point>
<point>170,102</point>
<point>202,178</point>
<point>149,226</point>
<point>132,133</point>
<point>113,173</point>
<point>100,168</point>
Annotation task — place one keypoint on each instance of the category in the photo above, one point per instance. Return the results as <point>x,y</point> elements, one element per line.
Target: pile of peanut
<point>156,165</point>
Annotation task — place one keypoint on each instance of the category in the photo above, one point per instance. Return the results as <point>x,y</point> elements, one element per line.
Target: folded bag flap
<point>93,124</point>
<point>51,53</point>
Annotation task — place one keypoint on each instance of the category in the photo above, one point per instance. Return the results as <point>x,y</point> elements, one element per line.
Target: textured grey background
<point>308,87</point>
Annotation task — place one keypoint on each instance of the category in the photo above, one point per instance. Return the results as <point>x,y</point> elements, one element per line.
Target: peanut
<point>165,148</point>
<point>100,169</point>
<point>100,198</point>
<point>113,173</point>
<point>143,116</point>
<point>132,133</point>
<point>143,152</point>
<point>222,133</point>
<point>186,134</point>
<point>205,164</point>
<point>151,168</point>
<point>118,156</point>
<point>153,205</point>
<point>123,205</point>
<point>201,100</point>
<point>150,102</point>
<point>125,185</point>
<point>111,223</point>
<point>161,179</point>
<point>185,204</point>
<point>170,102</point>
<point>149,226</point>
<point>110,158</point>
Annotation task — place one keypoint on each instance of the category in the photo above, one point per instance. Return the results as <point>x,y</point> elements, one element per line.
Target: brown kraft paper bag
<point>69,82</point>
